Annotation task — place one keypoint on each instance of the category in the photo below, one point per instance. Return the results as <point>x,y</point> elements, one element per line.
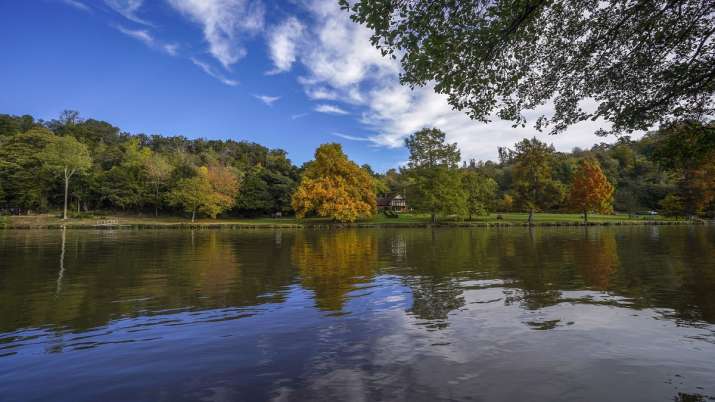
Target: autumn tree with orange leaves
<point>333,186</point>
<point>590,189</point>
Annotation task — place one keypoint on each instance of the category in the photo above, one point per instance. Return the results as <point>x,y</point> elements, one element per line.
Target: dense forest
<point>105,169</point>
<point>137,172</point>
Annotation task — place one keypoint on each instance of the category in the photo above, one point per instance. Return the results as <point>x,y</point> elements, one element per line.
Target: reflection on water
<point>364,314</point>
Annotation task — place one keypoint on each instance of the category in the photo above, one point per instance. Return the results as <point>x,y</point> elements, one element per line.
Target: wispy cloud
<point>351,137</point>
<point>320,93</point>
<point>138,34</point>
<point>148,39</point>
<point>210,71</point>
<point>223,23</point>
<point>282,44</point>
<point>128,9</point>
<point>171,48</point>
<point>268,100</point>
<point>330,109</point>
<point>78,5</point>
<point>298,116</point>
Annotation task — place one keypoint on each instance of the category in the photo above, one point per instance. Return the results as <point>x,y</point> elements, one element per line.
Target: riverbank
<point>403,221</point>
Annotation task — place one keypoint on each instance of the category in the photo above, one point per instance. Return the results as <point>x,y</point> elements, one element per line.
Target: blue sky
<point>285,74</point>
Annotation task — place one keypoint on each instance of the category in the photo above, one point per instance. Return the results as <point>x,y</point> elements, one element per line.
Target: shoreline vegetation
<point>407,220</point>
<point>89,168</point>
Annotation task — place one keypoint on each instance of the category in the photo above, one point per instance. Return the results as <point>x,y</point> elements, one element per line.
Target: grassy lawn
<point>522,217</point>
<point>408,218</point>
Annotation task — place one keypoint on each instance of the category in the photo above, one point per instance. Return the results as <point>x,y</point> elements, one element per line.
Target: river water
<point>480,314</point>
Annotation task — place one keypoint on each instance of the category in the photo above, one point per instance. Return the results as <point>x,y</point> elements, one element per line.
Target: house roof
<point>383,201</point>
<point>386,200</point>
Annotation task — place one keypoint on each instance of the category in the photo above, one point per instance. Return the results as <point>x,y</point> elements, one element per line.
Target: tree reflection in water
<point>116,274</point>
<point>334,264</point>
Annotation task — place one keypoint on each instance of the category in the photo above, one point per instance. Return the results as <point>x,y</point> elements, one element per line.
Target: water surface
<point>365,314</point>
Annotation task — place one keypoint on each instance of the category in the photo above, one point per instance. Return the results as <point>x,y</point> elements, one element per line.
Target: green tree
<point>435,182</point>
<point>590,189</point>
<point>158,169</point>
<point>643,62</point>
<point>533,186</point>
<point>127,184</point>
<point>255,197</point>
<point>672,205</point>
<point>22,169</point>
<point>335,187</point>
<point>688,148</point>
<point>68,156</point>
<point>481,192</point>
<point>281,188</point>
<point>12,125</point>
<point>211,191</point>
<point>428,148</point>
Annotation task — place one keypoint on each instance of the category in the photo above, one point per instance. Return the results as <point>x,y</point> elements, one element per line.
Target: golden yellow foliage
<point>334,265</point>
<point>333,186</point>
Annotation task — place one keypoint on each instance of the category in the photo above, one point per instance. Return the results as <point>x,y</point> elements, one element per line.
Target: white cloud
<point>283,43</point>
<point>78,5</point>
<point>351,137</point>
<point>210,71</point>
<point>330,109</point>
<point>343,66</point>
<point>148,39</point>
<point>128,9</point>
<point>138,34</point>
<point>340,53</point>
<point>223,23</point>
<point>268,100</point>
<point>171,48</point>
<point>321,93</point>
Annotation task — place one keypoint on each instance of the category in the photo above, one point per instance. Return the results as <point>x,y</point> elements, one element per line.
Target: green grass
<point>379,219</point>
<point>521,217</point>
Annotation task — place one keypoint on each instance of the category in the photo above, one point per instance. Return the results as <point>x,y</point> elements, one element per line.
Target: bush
<point>672,206</point>
<point>81,215</point>
<point>391,214</point>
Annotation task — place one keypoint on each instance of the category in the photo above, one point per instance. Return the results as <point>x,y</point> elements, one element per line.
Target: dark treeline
<point>105,169</point>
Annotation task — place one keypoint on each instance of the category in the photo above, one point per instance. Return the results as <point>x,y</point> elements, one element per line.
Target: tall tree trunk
<point>156,202</point>
<point>434,217</point>
<point>585,216</point>
<point>67,185</point>
<point>531,216</point>
<point>193,216</point>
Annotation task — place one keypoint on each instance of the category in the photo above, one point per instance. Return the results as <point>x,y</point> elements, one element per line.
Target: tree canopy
<point>640,62</point>
<point>211,191</point>
<point>68,156</point>
<point>435,184</point>
<point>129,172</point>
<point>136,173</point>
<point>534,187</point>
<point>480,191</point>
<point>688,148</point>
<point>333,186</point>
<point>590,189</point>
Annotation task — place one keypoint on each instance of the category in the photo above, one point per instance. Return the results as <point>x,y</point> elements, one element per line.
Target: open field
<point>406,220</point>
